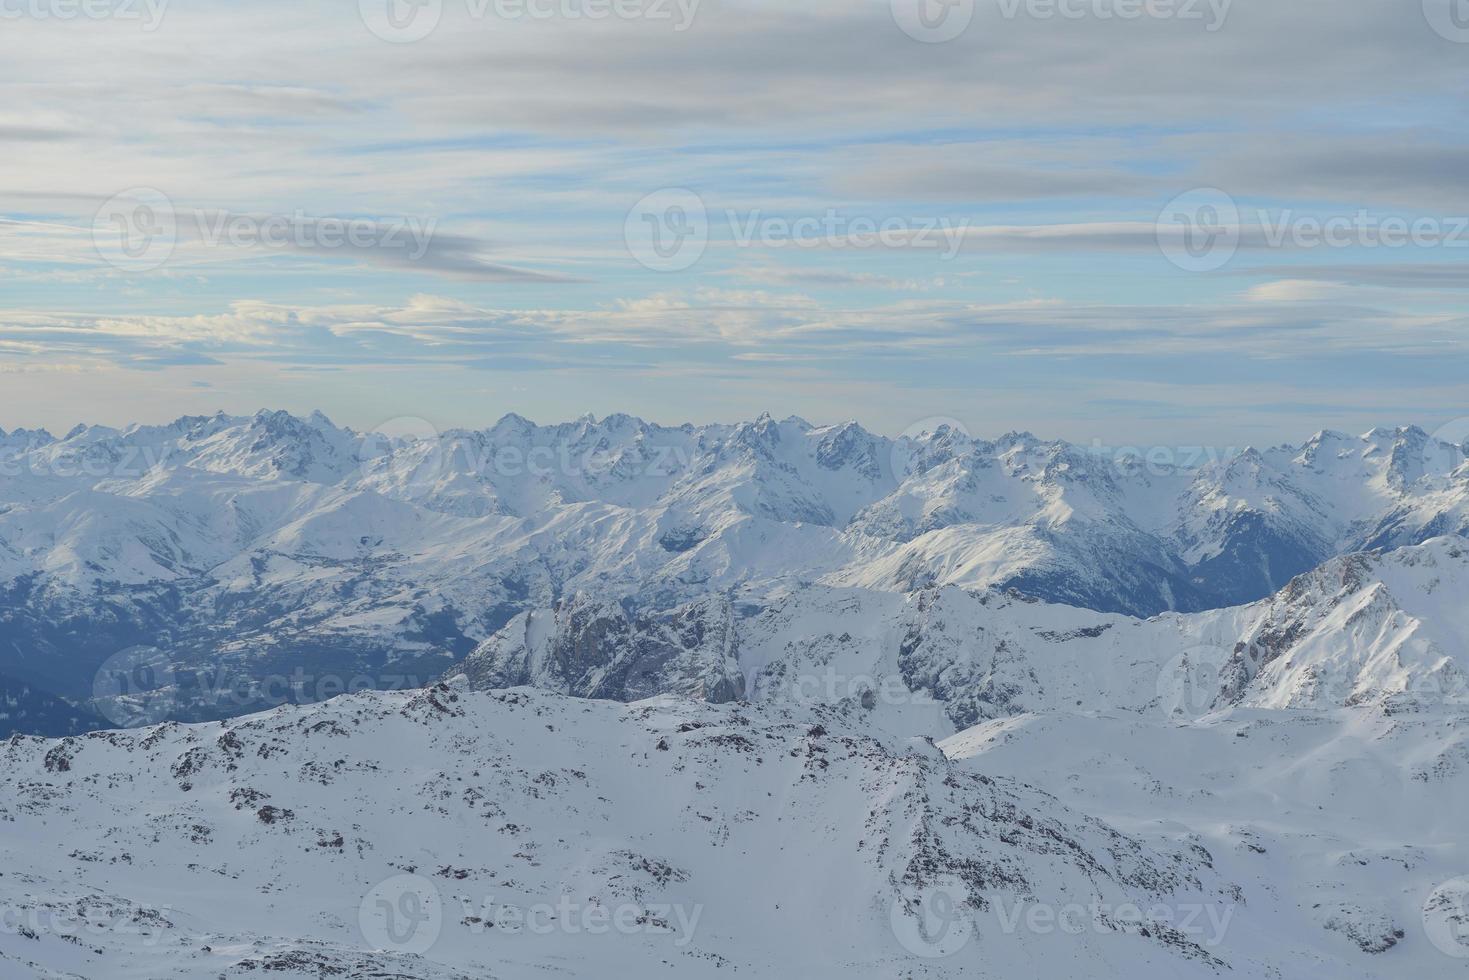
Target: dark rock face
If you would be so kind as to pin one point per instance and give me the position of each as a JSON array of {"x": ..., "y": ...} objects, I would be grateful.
[
  {"x": 1371, "y": 929},
  {"x": 976, "y": 677},
  {"x": 850, "y": 446},
  {"x": 596, "y": 649},
  {"x": 681, "y": 539}
]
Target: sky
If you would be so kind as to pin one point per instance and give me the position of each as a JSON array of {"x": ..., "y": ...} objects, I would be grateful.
[{"x": 1178, "y": 221}]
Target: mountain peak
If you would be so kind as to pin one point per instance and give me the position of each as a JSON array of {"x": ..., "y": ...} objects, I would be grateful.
[
  {"x": 513, "y": 420},
  {"x": 1383, "y": 433}
]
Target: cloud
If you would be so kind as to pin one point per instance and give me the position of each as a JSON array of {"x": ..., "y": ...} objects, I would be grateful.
[
  {"x": 1417, "y": 170},
  {"x": 34, "y": 134},
  {"x": 999, "y": 171},
  {"x": 1294, "y": 291},
  {"x": 826, "y": 278},
  {"x": 1283, "y": 319},
  {"x": 207, "y": 238},
  {"x": 1411, "y": 275},
  {"x": 525, "y": 144}
]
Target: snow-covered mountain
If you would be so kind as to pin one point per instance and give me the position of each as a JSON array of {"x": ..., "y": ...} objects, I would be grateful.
[
  {"x": 764, "y": 699},
  {"x": 253, "y": 548},
  {"x": 388, "y": 835},
  {"x": 1343, "y": 828},
  {"x": 1387, "y": 628},
  {"x": 1377, "y": 627},
  {"x": 445, "y": 834},
  {"x": 596, "y": 650}
]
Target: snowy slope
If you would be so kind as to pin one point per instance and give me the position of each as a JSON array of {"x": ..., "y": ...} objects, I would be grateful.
[
  {"x": 1389, "y": 627},
  {"x": 384, "y": 835},
  {"x": 1265, "y": 779},
  {"x": 1378, "y": 628},
  {"x": 1341, "y": 827}
]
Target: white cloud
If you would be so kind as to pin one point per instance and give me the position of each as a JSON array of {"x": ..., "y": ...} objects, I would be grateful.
[{"x": 1295, "y": 291}]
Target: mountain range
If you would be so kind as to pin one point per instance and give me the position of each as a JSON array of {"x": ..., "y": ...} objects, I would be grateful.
[
  {"x": 765, "y": 699},
  {"x": 249, "y": 550}
]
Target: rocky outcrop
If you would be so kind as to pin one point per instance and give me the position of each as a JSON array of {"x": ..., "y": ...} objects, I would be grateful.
[{"x": 594, "y": 648}]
